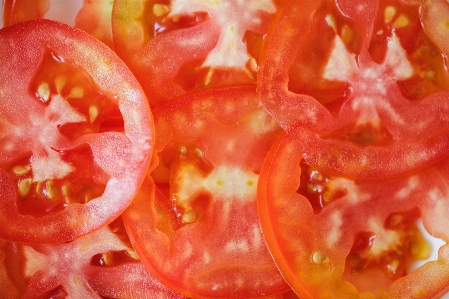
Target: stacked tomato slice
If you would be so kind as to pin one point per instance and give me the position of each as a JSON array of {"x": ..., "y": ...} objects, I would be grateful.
[{"x": 224, "y": 149}]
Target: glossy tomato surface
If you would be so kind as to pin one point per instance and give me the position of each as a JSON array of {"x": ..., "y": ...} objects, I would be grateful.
[
  {"x": 176, "y": 46},
  {"x": 76, "y": 133},
  {"x": 334, "y": 237},
  {"x": 199, "y": 233},
  {"x": 368, "y": 84}
]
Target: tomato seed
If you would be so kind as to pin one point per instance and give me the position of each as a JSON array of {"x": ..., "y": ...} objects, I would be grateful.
[
  {"x": 25, "y": 186},
  {"x": 389, "y": 14},
  {"x": 401, "y": 22},
  {"x": 93, "y": 113},
  {"x": 21, "y": 169},
  {"x": 43, "y": 91},
  {"x": 160, "y": 9},
  {"x": 318, "y": 257},
  {"x": 76, "y": 93}
]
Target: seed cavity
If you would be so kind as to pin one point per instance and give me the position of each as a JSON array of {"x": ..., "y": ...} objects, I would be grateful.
[
  {"x": 25, "y": 186},
  {"x": 160, "y": 9},
  {"x": 43, "y": 92}
]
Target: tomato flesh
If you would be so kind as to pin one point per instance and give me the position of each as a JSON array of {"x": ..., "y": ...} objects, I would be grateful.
[
  {"x": 76, "y": 145},
  {"x": 200, "y": 235}
]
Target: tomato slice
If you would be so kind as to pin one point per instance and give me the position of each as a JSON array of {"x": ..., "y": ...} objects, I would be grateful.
[
  {"x": 334, "y": 237},
  {"x": 92, "y": 16},
  {"x": 174, "y": 46},
  {"x": 94, "y": 266},
  {"x": 77, "y": 144},
  {"x": 368, "y": 86},
  {"x": 201, "y": 236}
]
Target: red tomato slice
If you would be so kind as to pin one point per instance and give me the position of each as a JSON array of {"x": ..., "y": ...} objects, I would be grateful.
[
  {"x": 334, "y": 237},
  {"x": 379, "y": 86},
  {"x": 92, "y": 16},
  {"x": 77, "y": 144},
  {"x": 95, "y": 266},
  {"x": 202, "y": 238},
  {"x": 176, "y": 46}
]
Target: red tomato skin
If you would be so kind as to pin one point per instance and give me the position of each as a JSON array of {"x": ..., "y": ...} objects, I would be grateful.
[{"x": 134, "y": 145}]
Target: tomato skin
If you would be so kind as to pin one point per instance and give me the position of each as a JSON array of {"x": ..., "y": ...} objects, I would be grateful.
[
  {"x": 369, "y": 118},
  {"x": 131, "y": 148},
  {"x": 298, "y": 246},
  {"x": 203, "y": 231}
]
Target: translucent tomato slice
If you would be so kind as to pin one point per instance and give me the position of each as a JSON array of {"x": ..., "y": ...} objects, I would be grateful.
[
  {"x": 93, "y": 16},
  {"x": 200, "y": 236},
  {"x": 334, "y": 237},
  {"x": 76, "y": 133},
  {"x": 174, "y": 46},
  {"x": 364, "y": 80}
]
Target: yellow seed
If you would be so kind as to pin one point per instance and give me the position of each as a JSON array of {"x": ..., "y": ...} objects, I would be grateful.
[
  {"x": 198, "y": 153},
  {"x": 182, "y": 150},
  {"x": 160, "y": 9},
  {"x": 76, "y": 92},
  {"x": 250, "y": 183},
  {"x": 330, "y": 20},
  {"x": 188, "y": 216},
  {"x": 220, "y": 183},
  {"x": 389, "y": 14},
  {"x": 59, "y": 83},
  {"x": 318, "y": 257},
  {"x": 393, "y": 266},
  {"x": 209, "y": 76},
  {"x": 347, "y": 34},
  {"x": 93, "y": 113},
  {"x": 25, "y": 186},
  {"x": 21, "y": 169},
  {"x": 67, "y": 193},
  {"x": 44, "y": 91},
  {"x": 51, "y": 189},
  {"x": 252, "y": 64},
  {"x": 107, "y": 258},
  {"x": 133, "y": 254},
  {"x": 401, "y": 22}
]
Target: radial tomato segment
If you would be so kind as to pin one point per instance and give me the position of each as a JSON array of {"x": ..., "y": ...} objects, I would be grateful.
[{"x": 364, "y": 240}]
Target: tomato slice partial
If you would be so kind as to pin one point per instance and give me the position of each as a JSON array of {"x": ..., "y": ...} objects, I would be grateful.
[
  {"x": 77, "y": 142},
  {"x": 369, "y": 92},
  {"x": 94, "y": 266},
  {"x": 198, "y": 230},
  {"x": 174, "y": 46},
  {"x": 338, "y": 237},
  {"x": 93, "y": 16}
]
